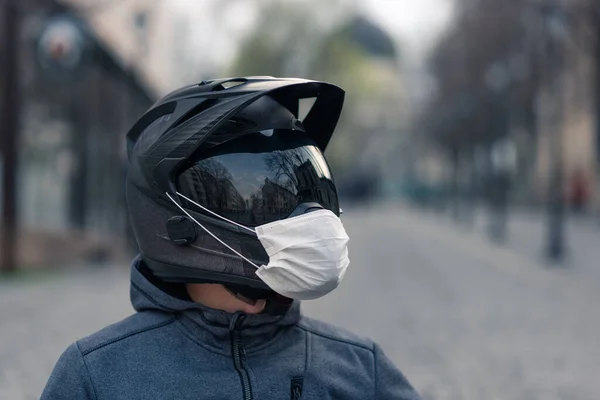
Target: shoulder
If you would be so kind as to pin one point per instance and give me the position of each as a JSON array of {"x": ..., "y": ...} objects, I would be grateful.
[
  {"x": 335, "y": 334},
  {"x": 137, "y": 324}
]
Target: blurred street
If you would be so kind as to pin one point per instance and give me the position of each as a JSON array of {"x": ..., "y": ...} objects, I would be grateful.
[
  {"x": 463, "y": 318},
  {"x": 527, "y": 234}
]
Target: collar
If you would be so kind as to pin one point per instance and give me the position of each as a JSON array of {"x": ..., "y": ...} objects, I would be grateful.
[{"x": 209, "y": 327}]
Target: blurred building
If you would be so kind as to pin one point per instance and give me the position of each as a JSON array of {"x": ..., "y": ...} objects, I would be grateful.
[
  {"x": 78, "y": 101},
  {"x": 276, "y": 199},
  {"x": 311, "y": 185},
  {"x": 153, "y": 37}
]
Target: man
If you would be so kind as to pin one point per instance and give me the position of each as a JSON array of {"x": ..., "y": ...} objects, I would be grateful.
[{"x": 237, "y": 219}]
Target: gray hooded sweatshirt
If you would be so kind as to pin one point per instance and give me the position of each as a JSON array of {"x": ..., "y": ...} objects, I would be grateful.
[{"x": 176, "y": 349}]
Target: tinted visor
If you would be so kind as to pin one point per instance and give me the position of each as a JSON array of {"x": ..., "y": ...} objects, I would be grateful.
[{"x": 259, "y": 179}]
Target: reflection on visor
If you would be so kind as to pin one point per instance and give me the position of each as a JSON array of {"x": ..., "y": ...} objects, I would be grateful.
[{"x": 260, "y": 179}]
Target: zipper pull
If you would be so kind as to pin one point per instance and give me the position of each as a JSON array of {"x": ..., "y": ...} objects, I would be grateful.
[
  {"x": 240, "y": 320},
  {"x": 235, "y": 322},
  {"x": 296, "y": 388}
]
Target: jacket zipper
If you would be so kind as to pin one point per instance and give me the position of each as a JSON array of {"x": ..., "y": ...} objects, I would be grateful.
[{"x": 239, "y": 356}]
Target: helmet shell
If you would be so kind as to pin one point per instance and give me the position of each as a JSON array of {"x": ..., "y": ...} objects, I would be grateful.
[{"x": 196, "y": 118}]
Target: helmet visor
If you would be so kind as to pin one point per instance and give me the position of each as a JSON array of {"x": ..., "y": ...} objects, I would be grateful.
[{"x": 259, "y": 179}]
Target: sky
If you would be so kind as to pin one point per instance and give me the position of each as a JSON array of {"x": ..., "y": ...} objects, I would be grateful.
[
  {"x": 416, "y": 24},
  {"x": 413, "y": 23}
]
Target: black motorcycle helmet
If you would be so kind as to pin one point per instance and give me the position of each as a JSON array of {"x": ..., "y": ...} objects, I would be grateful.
[{"x": 237, "y": 148}]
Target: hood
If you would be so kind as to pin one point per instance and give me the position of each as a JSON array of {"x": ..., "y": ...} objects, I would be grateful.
[{"x": 208, "y": 325}]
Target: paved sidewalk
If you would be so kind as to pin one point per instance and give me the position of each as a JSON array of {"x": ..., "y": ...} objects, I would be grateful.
[
  {"x": 527, "y": 232},
  {"x": 40, "y": 319}
]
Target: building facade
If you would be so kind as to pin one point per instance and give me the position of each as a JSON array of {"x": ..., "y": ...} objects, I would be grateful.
[{"x": 77, "y": 103}]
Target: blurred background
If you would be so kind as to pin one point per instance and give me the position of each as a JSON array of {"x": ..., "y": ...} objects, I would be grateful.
[{"x": 467, "y": 160}]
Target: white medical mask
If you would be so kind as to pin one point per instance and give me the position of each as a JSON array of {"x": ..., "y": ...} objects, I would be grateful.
[{"x": 308, "y": 254}]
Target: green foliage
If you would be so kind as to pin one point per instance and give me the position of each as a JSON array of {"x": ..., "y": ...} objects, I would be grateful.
[
  {"x": 277, "y": 35},
  {"x": 288, "y": 40}
]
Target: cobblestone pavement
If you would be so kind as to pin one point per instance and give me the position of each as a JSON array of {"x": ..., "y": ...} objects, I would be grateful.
[
  {"x": 462, "y": 318},
  {"x": 528, "y": 235},
  {"x": 40, "y": 319}
]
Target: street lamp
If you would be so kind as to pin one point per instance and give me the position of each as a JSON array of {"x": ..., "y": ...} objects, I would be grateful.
[
  {"x": 555, "y": 33},
  {"x": 9, "y": 129},
  {"x": 498, "y": 79}
]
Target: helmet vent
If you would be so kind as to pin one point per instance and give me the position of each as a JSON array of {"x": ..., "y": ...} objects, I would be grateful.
[
  {"x": 205, "y": 105},
  {"x": 229, "y": 84}
]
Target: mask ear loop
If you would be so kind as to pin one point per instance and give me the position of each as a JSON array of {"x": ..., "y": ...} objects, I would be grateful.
[
  {"x": 209, "y": 232},
  {"x": 213, "y": 213}
]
